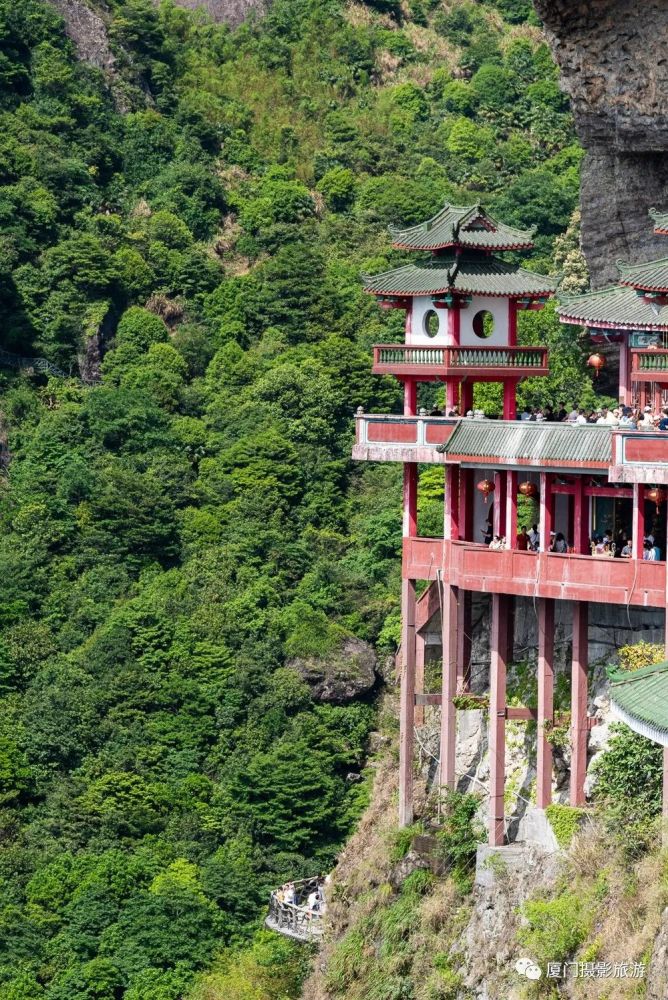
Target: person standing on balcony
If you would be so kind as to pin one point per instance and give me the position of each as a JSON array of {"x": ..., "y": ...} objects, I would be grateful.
[
  {"x": 523, "y": 540},
  {"x": 534, "y": 538}
]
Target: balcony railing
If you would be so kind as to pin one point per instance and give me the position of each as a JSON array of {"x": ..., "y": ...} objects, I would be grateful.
[
  {"x": 529, "y": 574},
  {"x": 650, "y": 364},
  {"x": 400, "y": 359}
]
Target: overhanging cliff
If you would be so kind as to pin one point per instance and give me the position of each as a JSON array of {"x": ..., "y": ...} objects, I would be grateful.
[{"x": 614, "y": 66}]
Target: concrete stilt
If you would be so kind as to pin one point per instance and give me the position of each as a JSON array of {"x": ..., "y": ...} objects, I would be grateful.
[
  {"x": 545, "y": 700},
  {"x": 464, "y": 605},
  {"x": 497, "y": 717},
  {"x": 407, "y": 703},
  {"x": 419, "y": 676},
  {"x": 579, "y": 699},
  {"x": 448, "y": 685}
]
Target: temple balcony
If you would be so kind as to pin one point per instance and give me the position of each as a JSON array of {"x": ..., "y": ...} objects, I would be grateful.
[
  {"x": 639, "y": 457},
  {"x": 649, "y": 364},
  {"x": 482, "y": 363},
  {"x": 381, "y": 437},
  {"x": 568, "y": 577}
]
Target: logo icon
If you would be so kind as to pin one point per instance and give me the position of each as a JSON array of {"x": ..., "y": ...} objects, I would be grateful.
[{"x": 528, "y": 968}]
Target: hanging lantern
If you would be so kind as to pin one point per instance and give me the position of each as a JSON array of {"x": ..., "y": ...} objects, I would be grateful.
[
  {"x": 528, "y": 489},
  {"x": 485, "y": 486},
  {"x": 657, "y": 495},
  {"x": 596, "y": 361}
]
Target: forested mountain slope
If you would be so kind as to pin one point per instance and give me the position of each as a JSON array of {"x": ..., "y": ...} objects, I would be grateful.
[{"x": 176, "y": 533}]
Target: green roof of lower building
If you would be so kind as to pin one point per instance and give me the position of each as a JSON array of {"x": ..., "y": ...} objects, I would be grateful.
[
  {"x": 660, "y": 220},
  {"x": 522, "y": 442},
  {"x": 640, "y": 698},
  {"x": 615, "y": 308},
  {"x": 649, "y": 277},
  {"x": 467, "y": 276},
  {"x": 465, "y": 226}
]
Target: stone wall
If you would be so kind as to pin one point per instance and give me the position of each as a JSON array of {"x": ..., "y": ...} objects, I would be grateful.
[{"x": 611, "y": 54}]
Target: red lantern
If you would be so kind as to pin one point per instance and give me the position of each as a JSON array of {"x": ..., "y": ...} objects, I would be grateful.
[
  {"x": 657, "y": 495},
  {"x": 596, "y": 361},
  {"x": 528, "y": 489},
  {"x": 486, "y": 487}
]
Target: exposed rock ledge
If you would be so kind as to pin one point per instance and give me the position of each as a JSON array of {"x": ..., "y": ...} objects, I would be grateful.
[
  {"x": 88, "y": 32},
  {"x": 343, "y": 675}
]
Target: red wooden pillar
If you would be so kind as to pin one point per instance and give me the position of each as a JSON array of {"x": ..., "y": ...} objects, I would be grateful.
[
  {"x": 511, "y": 509},
  {"x": 452, "y": 388},
  {"x": 579, "y": 699},
  {"x": 625, "y": 394},
  {"x": 545, "y": 700},
  {"x": 410, "y": 499},
  {"x": 419, "y": 676},
  {"x": 407, "y": 703},
  {"x": 658, "y": 397},
  {"x": 451, "y": 505},
  {"x": 466, "y": 397},
  {"x": 466, "y": 505},
  {"x": 464, "y": 605},
  {"x": 509, "y": 400},
  {"x": 497, "y": 717},
  {"x": 638, "y": 521},
  {"x": 545, "y": 523},
  {"x": 499, "y": 526},
  {"x": 448, "y": 684},
  {"x": 410, "y": 397},
  {"x": 581, "y": 518}
]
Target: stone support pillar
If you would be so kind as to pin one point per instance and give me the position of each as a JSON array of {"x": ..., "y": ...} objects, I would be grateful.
[
  {"x": 499, "y": 649},
  {"x": 545, "y": 700},
  {"x": 579, "y": 701},
  {"x": 407, "y": 703},
  {"x": 448, "y": 684}
]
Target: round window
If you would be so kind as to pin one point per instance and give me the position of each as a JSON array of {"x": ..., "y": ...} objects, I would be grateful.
[
  {"x": 431, "y": 323},
  {"x": 483, "y": 324}
]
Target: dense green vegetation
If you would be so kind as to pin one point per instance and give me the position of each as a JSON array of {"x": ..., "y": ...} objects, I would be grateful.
[{"x": 173, "y": 535}]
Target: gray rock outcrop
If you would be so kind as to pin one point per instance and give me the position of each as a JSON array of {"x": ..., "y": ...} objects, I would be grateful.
[
  {"x": 657, "y": 976},
  {"x": 346, "y": 673},
  {"x": 231, "y": 12},
  {"x": 88, "y": 31},
  {"x": 611, "y": 54}
]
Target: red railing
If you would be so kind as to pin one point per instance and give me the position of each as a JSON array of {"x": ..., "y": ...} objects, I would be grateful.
[
  {"x": 530, "y": 574},
  {"x": 403, "y": 359}
]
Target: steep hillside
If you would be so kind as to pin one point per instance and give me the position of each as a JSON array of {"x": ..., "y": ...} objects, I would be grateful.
[{"x": 182, "y": 525}]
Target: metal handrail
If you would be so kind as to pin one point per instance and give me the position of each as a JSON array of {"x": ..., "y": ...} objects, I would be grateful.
[
  {"x": 41, "y": 365},
  {"x": 296, "y": 919}
]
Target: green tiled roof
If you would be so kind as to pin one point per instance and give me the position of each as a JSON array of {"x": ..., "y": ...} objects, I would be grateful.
[
  {"x": 650, "y": 277},
  {"x": 660, "y": 220},
  {"x": 511, "y": 442},
  {"x": 465, "y": 226},
  {"x": 640, "y": 698},
  {"x": 616, "y": 307},
  {"x": 470, "y": 276}
]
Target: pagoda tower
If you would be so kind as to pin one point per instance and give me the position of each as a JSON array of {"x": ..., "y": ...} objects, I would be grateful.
[
  {"x": 461, "y": 303},
  {"x": 631, "y": 314}
]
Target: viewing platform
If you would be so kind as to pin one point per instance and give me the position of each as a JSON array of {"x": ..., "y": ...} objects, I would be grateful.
[
  {"x": 297, "y": 909},
  {"x": 568, "y": 577},
  {"x": 482, "y": 363},
  {"x": 625, "y": 456}
]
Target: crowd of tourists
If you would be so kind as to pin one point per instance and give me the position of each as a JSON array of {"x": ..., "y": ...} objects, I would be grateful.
[
  {"x": 632, "y": 418},
  {"x": 314, "y": 902},
  {"x": 619, "y": 546}
]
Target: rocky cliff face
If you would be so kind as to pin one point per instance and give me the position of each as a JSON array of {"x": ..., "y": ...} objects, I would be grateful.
[
  {"x": 613, "y": 64},
  {"x": 232, "y": 12}
]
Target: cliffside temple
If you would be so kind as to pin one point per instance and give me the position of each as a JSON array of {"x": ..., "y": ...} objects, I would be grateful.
[{"x": 461, "y": 305}]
